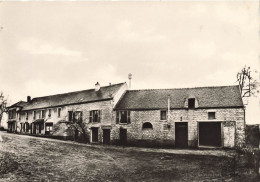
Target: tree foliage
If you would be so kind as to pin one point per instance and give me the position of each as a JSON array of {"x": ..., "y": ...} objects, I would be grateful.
[
  {"x": 248, "y": 85},
  {"x": 3, "y": 107}
]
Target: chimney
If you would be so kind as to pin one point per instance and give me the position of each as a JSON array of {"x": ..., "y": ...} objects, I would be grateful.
[
  {"x": 28, "y": 98},
  {"x": 97, "y": 87},
  {"x": 129, "y": 77}
]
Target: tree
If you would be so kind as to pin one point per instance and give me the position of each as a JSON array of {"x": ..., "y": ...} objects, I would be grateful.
[
  {"x": 248, "y": 85},
  {"x": 3, "y": 108},
  {"x": 75, "y": 124}
]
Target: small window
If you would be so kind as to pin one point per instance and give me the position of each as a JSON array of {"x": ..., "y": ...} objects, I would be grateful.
[
  {"x": 191, "y": 103},
  {"x": 163, "y": 115},
  {"x": 26, "y": 115},
  {"x": 59, "y": 112},
  {"x": 123, "y": 117},
  {"x": 147, "y": 125},
  {"x": 70, "y": 115},
  {"x": 211, "y": 115},
  {"x": 34, "y": 114},
  {"x": 49, "y": 126},
  {"x": 49, "y": 112},
  {"x": 42, "y": 113}
]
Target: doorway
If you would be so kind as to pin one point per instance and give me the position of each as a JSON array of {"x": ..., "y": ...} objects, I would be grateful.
[
  {"x": 106, "y": 136},
  {"x": 210, "y": 134},
  {"x": 123, "y": 136},
  {"x": 94, "y": 134},
  {"x": 181, "y": 135}
]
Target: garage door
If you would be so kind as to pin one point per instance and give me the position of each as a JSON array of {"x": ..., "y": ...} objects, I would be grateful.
[{"x": 210, "y": 134}]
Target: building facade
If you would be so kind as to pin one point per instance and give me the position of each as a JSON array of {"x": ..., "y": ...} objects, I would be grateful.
[
  {"x": 192, "y": 117},
  {"x": 188, "y": 117},
  {"x": 51, "y": 115}
]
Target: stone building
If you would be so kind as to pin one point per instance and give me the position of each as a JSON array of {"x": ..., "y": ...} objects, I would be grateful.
[
  {"x": 187, "y": 117},
  {"x": 40, "y": 115}
]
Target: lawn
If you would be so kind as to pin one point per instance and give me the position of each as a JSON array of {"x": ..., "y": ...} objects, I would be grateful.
[{"x": 35, "y": 159}]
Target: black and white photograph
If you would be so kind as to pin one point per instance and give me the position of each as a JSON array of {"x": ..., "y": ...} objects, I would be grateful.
[{"x": 122, "y": 91}]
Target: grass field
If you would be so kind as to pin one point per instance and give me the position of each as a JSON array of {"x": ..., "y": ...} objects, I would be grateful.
[{"x": 35, "y": 159}]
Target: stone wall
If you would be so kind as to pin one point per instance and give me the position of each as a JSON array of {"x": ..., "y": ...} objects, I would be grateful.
[{"x": 163, "y": 132}]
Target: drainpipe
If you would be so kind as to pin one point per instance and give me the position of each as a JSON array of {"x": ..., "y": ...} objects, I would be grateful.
[{"x": 169, "y": 106}]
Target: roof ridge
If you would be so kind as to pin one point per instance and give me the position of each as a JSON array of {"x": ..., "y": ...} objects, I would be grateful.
[
  {"x": 182, "y": 88},
  {"x": 77, "y": 91}
]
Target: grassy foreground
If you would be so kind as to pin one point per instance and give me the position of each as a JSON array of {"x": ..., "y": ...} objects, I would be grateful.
[{"x": 34, "y": 159}]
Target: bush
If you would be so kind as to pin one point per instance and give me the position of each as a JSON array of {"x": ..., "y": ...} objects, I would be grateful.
[
  {"x": 7, "y": 163},
  {"x": 2, "y": 128}
]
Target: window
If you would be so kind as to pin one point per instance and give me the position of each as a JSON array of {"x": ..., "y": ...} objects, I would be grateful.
[
  {"x": 49, "y": 113},
  {"x": 78, "y": 115},
  {"x": 191, "y": 103},
  {"x": 95, "y": 116},
  {"x": 59, "y": 111},
  {"x": 26, "y": 115},
  {"x": 70, "y": 115},
  {"x": 12, "y": 114},
  {"x": 147, "y": 125},
  {"x": 34, "y": 114},
  {"x": 163, "y": 115},
  {"x": 48, "y": 128},
  {"x": 123, "y": 117},
  {"x": 75, "y": 116},
  {"x": 42, "y": 113},
  {"x": 211, "y": 115}
]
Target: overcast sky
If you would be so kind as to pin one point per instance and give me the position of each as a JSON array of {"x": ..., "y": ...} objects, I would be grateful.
[{"x": 56, "y": 47}]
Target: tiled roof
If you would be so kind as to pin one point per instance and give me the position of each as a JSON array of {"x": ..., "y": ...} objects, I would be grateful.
[
  {"x": 18, "y": 104},
  {"x": 207, "y": 97},
  {"x": 84, "y": 96}
]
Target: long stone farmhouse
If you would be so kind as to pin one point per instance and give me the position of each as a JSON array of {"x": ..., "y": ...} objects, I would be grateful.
[{"x": 186, "y": 117}]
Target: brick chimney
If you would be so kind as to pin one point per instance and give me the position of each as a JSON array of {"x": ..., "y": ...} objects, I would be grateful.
[
  {"x": 97, "y": 87},
  {"x": 28, "y": 98}
]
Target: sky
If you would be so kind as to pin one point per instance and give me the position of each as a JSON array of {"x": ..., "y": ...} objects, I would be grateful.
[{"x": 56, "y": 47}]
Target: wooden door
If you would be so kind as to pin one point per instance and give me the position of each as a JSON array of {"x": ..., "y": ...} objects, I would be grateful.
[
  {"x": 94, "y": 134},
  {"x": 181, "y": 135},
  {"x": 106, "y": 136}
]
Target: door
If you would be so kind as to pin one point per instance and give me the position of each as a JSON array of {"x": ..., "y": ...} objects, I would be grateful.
[
  {"x": 181, "y": 135},
  {"x": 210, "y": 134},
  {"x": 229, "y": 134},
  {"x": 94, "y": 134},
  {"x": 123, "y": 136},
  {"x": 34, "y": 128},
  {"x": 106, "y": 136}
]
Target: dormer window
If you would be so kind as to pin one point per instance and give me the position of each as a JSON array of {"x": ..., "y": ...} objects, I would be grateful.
[{"x": 191, "y": 103}]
